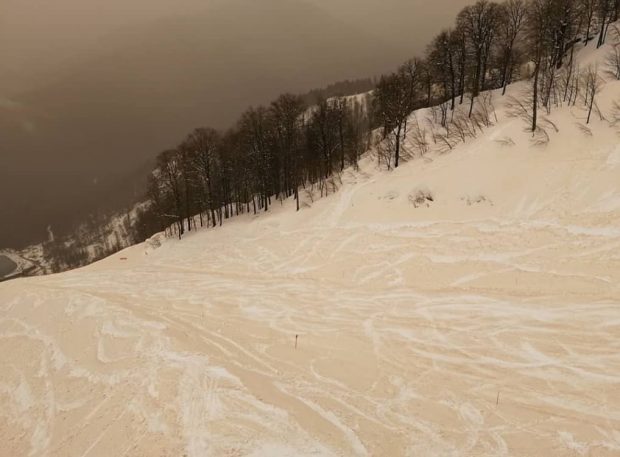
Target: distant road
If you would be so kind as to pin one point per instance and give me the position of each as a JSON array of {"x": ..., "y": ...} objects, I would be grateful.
[{"x": 7, "y": 266}]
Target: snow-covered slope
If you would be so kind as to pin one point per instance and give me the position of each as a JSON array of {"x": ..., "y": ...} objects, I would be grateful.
[{"x": 483, "y": 321}]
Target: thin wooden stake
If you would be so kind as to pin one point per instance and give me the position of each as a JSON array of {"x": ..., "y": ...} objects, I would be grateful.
[{"x": 296, "y": 336}]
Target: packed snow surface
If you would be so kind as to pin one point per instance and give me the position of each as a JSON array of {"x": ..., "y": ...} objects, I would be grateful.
[{"x": 483, "y": 322}]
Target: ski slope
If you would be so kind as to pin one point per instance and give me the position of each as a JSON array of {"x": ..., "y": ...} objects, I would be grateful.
[{"x": 485, "y": 322}]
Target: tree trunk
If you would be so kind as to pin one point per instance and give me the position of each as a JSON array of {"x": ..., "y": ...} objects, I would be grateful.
[
  {"x": 341, "y": 133},
  {"x": 601, "y": 36},
  {"x": 535, "y": 97},
  {"x": 592, "y": 95},
  {"x": 507, "y": 68},
  {"x": 397, "y": 157}
]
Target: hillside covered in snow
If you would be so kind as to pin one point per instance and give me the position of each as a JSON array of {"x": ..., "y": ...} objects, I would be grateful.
[
  {"x": 482, "y": 320},
  {"x": 465, "y": 303}
]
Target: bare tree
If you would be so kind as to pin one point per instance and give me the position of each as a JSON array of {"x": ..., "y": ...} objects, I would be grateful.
[
  {"x": 540, "y": 44},
  {"x": 587, "y": 10},
  {"x": 592, "y": 83},
  {"x": 512, "y": 19},
  {"x": 479, "y": 22},
  {"x": 204, "y": 142},
  {"x": 395, "y": 100},
  {"x": 605, "y": 12},
  {"x": 443, "y": 57}
]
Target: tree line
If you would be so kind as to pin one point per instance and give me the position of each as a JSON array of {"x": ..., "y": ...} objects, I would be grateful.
[
  {"x": 268, "y": 156},
  {"x": 275, "y": 152},
  {"x": 489, "y": 46}
]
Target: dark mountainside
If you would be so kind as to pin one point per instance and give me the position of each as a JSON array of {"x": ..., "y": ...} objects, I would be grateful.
[{"x": 82, "y": 143}]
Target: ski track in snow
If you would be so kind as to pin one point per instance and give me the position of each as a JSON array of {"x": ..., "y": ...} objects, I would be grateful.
[
  {"x": 450, "y": 330},
  {"x": 187, "y": 354}
]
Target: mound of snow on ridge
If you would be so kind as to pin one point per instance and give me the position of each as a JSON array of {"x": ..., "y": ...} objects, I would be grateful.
[{"x": 483, "y": 323}]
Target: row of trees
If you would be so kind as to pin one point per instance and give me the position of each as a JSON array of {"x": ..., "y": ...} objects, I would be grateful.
[
  {"x": 269, "y": 155},
  {"x": 275, "y": 151},
  {"x": 490, "y": 45}
]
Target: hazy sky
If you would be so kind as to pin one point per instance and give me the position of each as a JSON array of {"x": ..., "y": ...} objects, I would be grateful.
[{"x": 37, "y": 37}]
